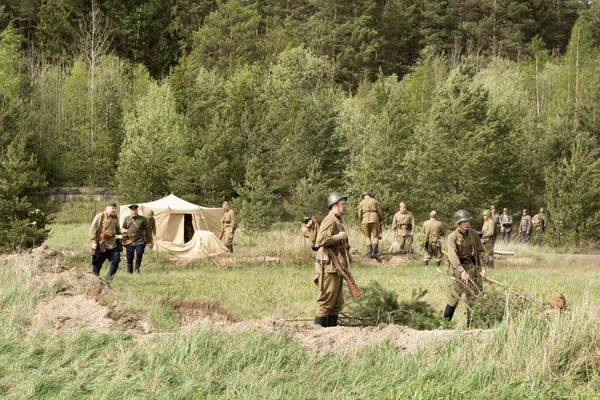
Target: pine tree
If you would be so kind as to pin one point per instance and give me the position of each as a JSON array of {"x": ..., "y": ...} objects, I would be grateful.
[{"x": 255, "y": 201}]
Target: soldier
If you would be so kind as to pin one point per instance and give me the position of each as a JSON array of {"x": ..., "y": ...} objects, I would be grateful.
[
  {"x": 371, "y": 217},
  {"x": 539, "y": 222},
  {"x": 404, "y": 225},
  {"x": 525, "y": 226},
  {"x": 432, "y": 242},
  {"x": 488, "y": 238},
  {"x": 229, "y": 225},
  {"x": 309, "y": 231},
  {"x": 496, "y": 218},
  {"x": 332, "y": 237},
  {"x": 103, "y": 231},
  {"x": 506, "y": 221},
  {"x": 136, "y": 228},
  {"x": 152, "y": 224},
  {"x": 465, "y": 264}
]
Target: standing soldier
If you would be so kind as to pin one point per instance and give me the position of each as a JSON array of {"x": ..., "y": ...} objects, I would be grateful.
[
  {"x": 152, "y": 224},
  {"x": 331, "y": 238},
  {"x": 506, "y": 220},
  {"x": 371, "y": 216},
  {"x": 465, "y": 264},
  {"x": 404, "y": 225},
  {"x": 229, "y": 225},
  {"x": 103, "y": 231},
  {"x": 488, "y": 238},
  {"x": 539, "y": 222},
  {"x": 525, "y": 226},
  {"x": 137, "y": 229},
  {"x": 432, "y": 242},
  {"x": 496, "y": 218}
]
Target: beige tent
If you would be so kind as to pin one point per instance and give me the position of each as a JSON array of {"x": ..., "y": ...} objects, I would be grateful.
[{"x": 177, "y": 222}]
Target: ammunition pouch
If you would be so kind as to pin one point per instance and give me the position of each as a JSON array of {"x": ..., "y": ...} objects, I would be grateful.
[{"x": 106, "y": 235}]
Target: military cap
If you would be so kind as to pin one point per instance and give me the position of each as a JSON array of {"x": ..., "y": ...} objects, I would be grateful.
[
  {"x": 150, "y": 212},
  {"x": 433, "y": 214},
  {"x": 487, "y": 213},
  {"x": 367, "y": 193},
  {"x": 133, "y": 206},
  {"x": 111, "y": 204},
  {"x": 334, "y": 198},
  {"x": 461, "y": 216}
]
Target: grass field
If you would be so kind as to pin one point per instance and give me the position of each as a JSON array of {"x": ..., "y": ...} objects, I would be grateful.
[{"x": 528, "y": 356}]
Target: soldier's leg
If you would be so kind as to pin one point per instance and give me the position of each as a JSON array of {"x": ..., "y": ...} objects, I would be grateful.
[
  {"x": 426, "y": 256},
  {"x": 139, "y": 254},
  {"x": 437, "y": 251},
  {"x": 97, "y": 261},
  {"x": 489, "y": 254},
  {"x": 409, "y": 242},
  {"x": 367, "y": 234},
  {"x": 476, "y": 290},
  {"x": 327, "y": 295},
  {"x": 454, "y": 291},
  {"x": 339, "y": 301},
  {"x": 129, "y": 255},
  {"x": 402, "y": 244},
  {"x": 115, "y": 258}
]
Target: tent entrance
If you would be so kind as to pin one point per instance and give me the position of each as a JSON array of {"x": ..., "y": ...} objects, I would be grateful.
[{"x": 188, "y": 228}]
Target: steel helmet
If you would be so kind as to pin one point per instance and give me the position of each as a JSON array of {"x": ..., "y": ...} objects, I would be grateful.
[
  {"x": 433, "y": 214},
  {"x": 367, "y": 193},
  {"x": 461, "y": 216},
  {"x": 487, "y": 213},
  {"x": 334, "y": 198}
]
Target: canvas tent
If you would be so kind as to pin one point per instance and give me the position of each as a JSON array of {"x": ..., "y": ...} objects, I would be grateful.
[{"x": 177, "y": 223}]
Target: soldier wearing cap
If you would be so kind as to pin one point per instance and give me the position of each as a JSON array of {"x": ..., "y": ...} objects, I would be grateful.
[
  {"x": 371, "y": 217},
  {"x": 465, "y": 264},
  {"x": 103, "y": 231},
  {"x": 488, "y": 237},
  {"x": 404, "y": 225},
  {"x": 525, "y": 226},
  {"x": 228, "y": 226},
  {"x": 432, "y": 242},
  {"x": 331, "y": 237},
  {"x": 136, "y": 228},
  {"x": 152, "y": 224},
  {"x": 506, "y": 221},
  {"x": 539, "y": 222}
]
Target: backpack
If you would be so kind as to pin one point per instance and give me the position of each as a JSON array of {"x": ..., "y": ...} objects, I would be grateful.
[{"x": 536, "y": 221}]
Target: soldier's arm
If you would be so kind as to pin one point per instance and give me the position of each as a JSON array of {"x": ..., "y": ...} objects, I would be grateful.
[
  {"x": 360, "y": 212},
  {"x": 233, "y": 221},
  {"x": 380, "y": 212},
  {"x": 452, "y": 256},
  {"x": 95, "y": 227},
  {"x": 394, "y": 222},
  {"x": 325, "y": 237},
  {"x": 412, "y": 223}
]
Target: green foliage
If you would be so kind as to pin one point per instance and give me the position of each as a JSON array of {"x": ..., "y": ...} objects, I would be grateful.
[
  {"x": 22, "y": 186},
  {"x": 308, "y": 196},
  {"x": 255, "y": 202}
]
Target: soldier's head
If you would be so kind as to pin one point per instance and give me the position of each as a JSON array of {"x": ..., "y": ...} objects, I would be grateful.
[
  {"x": 493, "y": 208},
  {"x": 111, "y": 208},
  {"x": 505, "y": 211},
  {"x": 133, "y": 210},
  {"x": 151, "y": 213},
  {"x": 433, "y": 214},
  {"x": 337, "y": 203},
  {"x": 367, "y": 193},
  {"x": 307, "y": 221},
  {"x": 226, "y": 206},
  {"x": 402, "y": 207},
  {"x": 524, "y": 211},
  {"x": 486, "y": 214},
  {"x": 462, "y": 219},
  {"x": 542, "y": 210}
]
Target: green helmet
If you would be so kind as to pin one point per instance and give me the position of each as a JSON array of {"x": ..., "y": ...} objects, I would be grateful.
[
  {"x": 334, "y": 198},
  {"x": 487, "y": 213},
  {"x": 461, "y": 216},
  {"x": 367, "y": 193}
]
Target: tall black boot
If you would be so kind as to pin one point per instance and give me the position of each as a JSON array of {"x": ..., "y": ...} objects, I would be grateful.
[
  {"x": 138, "y": 264},
  {"x": 332, "y": 320},
  {"x": 111, "y": 273},
  {"x": 375, "y": 249},
  {"x": 130, "y": 268},
  {"x": 449, "y": 312},
  {"x": 321, "y": 321},
  {"x": 425, "y": 263},
  {"x": 369, "y": 251}
]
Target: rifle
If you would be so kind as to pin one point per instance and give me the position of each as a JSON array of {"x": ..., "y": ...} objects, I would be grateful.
[{"x": 344, "y": 273}]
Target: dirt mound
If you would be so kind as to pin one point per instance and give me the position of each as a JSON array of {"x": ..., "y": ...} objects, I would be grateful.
[
  {"x": 194, "y": 312},
  {"x": 351, "y": 339}
]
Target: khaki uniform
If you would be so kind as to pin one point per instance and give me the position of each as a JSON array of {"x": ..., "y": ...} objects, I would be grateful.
[
  {"x": 330, "y": 294},
  {"x": 152, "y": 225},
  {"x": 540, "y": 228},
  {"x": 432, "y": 242},
  {"x": 496, "y": 219},
  {"x": 506, "y": 221},
  {"x": 229, "y": 225},
  {"x": 465, "y": 253},
  {"x": 488, "y": 238},
  {"x": 371, "y": 217},
  {"x": 525, "y": 228},
  {"x": 104, "y": 229},
  {"x": 403, "y": 224}
]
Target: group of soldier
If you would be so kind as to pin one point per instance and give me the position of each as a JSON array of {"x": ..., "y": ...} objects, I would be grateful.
[
  {"x": 468, "y": 251},
  {"x": 109, "y": 239}
]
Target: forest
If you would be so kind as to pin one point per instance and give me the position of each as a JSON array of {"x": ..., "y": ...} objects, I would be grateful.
[{"x": 445, "y": 105}]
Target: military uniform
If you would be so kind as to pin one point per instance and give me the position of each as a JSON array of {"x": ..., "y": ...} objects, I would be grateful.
[
  {"x": 371, "y": 217},
  {"x": 506, "y": 221},
  {"x": 525, "y": 228},
  {"x": 229, "y": 225},
  {"x": 488, "y": 239},
  {"x": 404, "y": 223},
  {"x": 496, "y": 219},
  {"x": 330, "y": 295},
  {"x": 152, "y": 223},
  {"x": 432, "y": 242},
  {"x": 539, "y": 226},
  {"x": 103, "y": 232},
  {"x": 465, "y": 253},
  {"x": 138, "y": 229}
]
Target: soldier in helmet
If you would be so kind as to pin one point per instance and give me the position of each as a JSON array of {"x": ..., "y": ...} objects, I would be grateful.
[
  {"x": 228, "y": 226},
  {"x": 152, "y": 223},
  {"x": 488, "y": 237},
  {"x": 506, "y": 221},
  {"x": 539, "y": 222},
  {"x": 525, "y": 226},
  {"x": 432, "y": 242},
  {"x": 496, "y": 218},
  {"x": 331, "y": 236},
  {"x": 465, "y": 264},
  {"x": 404, "y": 225},
  {"x": 371, "y": 217}
]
